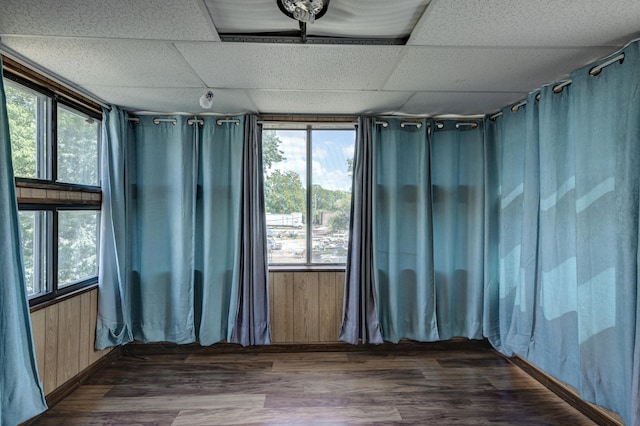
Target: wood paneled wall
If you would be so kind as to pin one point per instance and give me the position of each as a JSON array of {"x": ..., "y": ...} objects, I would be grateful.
[
  {"x": 306, "y": 307},
  {"x": 64, "y": 337}
]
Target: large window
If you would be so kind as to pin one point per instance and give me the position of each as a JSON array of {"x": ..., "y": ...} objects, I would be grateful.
[
  {"x": 307, "y": 194},
  {"x": 55, "y": 150}
]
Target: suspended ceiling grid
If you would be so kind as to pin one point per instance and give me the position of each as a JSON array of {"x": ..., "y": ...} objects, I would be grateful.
[{"x": 460, "y": 56}]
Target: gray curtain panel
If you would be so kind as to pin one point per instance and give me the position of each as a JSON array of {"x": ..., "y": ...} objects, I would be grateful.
[
  {"x": 252, "y": 320},
  {"x": 360, "y": 316}
]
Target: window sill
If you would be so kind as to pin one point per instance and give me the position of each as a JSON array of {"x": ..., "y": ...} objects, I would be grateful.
[
  {"x": 307, "y": 268},
  {"x": 63, "y": 297}
]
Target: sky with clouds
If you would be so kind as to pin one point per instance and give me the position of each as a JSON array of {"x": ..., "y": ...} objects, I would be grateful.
[{"x": 330, "y": 151}]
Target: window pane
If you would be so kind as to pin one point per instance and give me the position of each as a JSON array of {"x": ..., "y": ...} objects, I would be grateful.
[
  {"x": 77, "y": 148},
  {"x": 77, "y": 245},
  {"x": 332, "y": 154},
  {"x": 33, "y": 232},
  {"x": 285, "y": 162},
  {"x": 27, "y": 129}
]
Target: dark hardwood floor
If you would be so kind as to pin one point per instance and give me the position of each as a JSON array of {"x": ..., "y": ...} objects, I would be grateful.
[{"x": 415, "y": 386}]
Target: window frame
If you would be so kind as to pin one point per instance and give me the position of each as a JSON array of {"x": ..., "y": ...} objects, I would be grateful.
[
  {"x": 309, "y": 128},
  {"x": 49, "y": 195}
]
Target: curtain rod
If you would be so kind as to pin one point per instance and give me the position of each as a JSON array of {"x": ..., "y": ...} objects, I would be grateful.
[
  {"x": 173, "y": 121},
  {"x": 559, "y": 87},
  {"x": 168, "y": 120},
  {"x": 466, "y": 124},
  {"x": 136, "y": 120},
  {"x": 306, "y": 123},
  {"x": 221, "y": 121},
  {"x": 598, "y": 68},
  {"x": 438, "y": 124}
]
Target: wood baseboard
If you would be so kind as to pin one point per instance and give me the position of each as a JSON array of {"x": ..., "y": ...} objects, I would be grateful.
[
  {"x": 143, "y": 349},
  {"x": 598, "y": 414}
]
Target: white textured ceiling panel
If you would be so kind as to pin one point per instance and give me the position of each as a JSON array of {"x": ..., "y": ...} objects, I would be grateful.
[
  {"x": 344, "y": 18},
  {"x": 124, "y": 63},
  {"x": 528, "y": 23},
  {"x": 170, "y": 100},
  {"x": 487, "y": 69},
  {"x": 440, "y": 103},
  {"x": 327, "y": 102},
  {"x": 291, "y": 67},
  {"x": 157, "y": 19}
]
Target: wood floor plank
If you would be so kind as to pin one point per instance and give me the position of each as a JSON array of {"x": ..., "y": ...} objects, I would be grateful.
[
  {"x": 268, "y": 357},
  {"x": 394, "y": 399},
  {"x": 475, "y": 362},
  {"x": 299, "y": 416},
  {"x": 366, "y": 365},
  {"x": 250, "y": 384},
  {"x": 155, "y": 403},
  {"x": 145, "y": 418},
  {"x": 458, "y": 387}
]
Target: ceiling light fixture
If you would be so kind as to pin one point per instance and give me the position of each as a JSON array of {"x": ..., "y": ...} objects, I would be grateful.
[
  {"x": 306, "y": 11},
  {"x": 303, "y": 11}
]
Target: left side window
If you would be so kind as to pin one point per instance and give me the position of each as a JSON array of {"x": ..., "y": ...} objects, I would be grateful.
[{"x": 55, "y": 146}]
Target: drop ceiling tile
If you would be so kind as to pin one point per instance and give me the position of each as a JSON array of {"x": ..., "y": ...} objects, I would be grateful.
[
  {"x": 327, "y": 102},
  {"x": 157, "y": 19},
  {"x": 291, "y": 67},
  {"x": 459, "y": 103},
  {"x": 528, "y": 23},
  {"x": 125, "y": 63},
  {"x": 170, "y": 100},
  {"x": 487, "y": 69}
]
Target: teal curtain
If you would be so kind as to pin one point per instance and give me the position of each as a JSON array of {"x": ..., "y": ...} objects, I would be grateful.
[
  {"x": 218, "y": 220},
  {"x": 173, "y": 228},
  {"x": 162, "y": 284},
  {"x": 402, "y": 232},
  {"x": 457, "y": 182},
  {"x": 604, "y": 118},
  {"x": 428, "y": 230},
  {"x": 562, "y": 284},
  {"x": 512, "y": 230},
  {"x": 21, "y": 395},
  {"x": 114, "y": 321}
]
